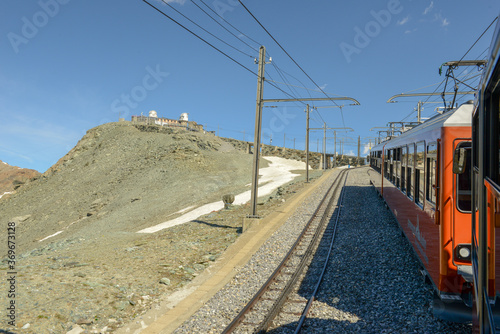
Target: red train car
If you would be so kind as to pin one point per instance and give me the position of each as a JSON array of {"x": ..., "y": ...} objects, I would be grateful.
[
  {"x": 432, "y": 204},
  {"x": 486, "y": 194}
]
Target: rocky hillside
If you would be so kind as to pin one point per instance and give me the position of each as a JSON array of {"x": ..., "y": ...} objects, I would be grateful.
[
  {"x": 12, "y": 177},
  {"x": 121, "y": 178},
  {"x": 80, "y": 262}
]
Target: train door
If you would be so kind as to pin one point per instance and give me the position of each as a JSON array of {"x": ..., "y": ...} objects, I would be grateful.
[
  {"x": 431, "y": 185},
  {"x": 462, "y": 194},
  {"x": 420, "y": 173}
]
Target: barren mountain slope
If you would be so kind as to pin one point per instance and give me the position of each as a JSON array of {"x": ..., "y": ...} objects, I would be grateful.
[
  {"x": 122, "y": 178},
  {"x": 11, "y": 177},
  {"x": 79, "y": 260}
]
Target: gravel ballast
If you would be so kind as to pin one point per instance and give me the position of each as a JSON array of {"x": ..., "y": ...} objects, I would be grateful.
[
  {"x": 215, "y": 315},
  {"x": 373, "y": 283}
]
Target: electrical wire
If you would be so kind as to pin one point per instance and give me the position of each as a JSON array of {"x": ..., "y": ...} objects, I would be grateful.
[
  {"x": 305, "y": 88},
  {"x": 477, "y": 40},
  {"x": 292, "y": 89},
  {"x": 230, "y": 23},
  {"x": 214, "y": 47},
  {"x": 289, "y": 56},
  {"x": 204, "y": 11},
  {"x": 460, "y": 75},
  {"x": 205, "y": 30}
]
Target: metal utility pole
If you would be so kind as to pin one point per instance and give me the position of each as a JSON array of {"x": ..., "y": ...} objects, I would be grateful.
[
  {"x": 324, "y": 145},
  {"x": 419, "y": 111},
  {"x": 258, "y": 125},
  {"x": 307, "y": 144},
  {"x": 359, "y": 147},
  {"x": 294, "y": 143},
  {"x": 324, "y": 128},
  {"x": 334, "y": 148},
  {"x": 284, "y": 140}
]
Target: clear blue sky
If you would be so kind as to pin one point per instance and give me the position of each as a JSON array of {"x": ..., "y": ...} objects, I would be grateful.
[{"x": 70, "y": 65}]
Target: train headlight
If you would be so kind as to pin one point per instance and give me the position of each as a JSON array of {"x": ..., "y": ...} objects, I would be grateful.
[{"x": 463, "y": 252}]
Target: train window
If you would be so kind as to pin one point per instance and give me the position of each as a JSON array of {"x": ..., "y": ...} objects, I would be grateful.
[
  {"x": 379, "y": 161},
  {"x": 397, "y": 167},
  {"x": 409, "y": 171},
  {"x": 464, "y": 184},
  {"x": 430, "y": 189},
  {"x": 404, "y": 162},
  {"x": 419, "y": 173},
  {"x": 385, "y": 163},
  {"x": 391, "y": 167}
]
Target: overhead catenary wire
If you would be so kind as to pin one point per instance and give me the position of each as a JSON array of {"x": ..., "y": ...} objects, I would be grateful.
[
  {"x": 292, "y": 90},
  {"x": 197, "y": 36},
  {"x": 278, "y": 70},
  {"x": 205, "y": 30},
  {"x": 477, "y": 40},
  {"x": 460, "y": 74},
  {"x": 208, "y": 43},
  {"x": 289, "y": 56},
  {"x": 222, "y": 18},
  {"x": 301, "y": 87},
  {"x": 287, "y": 82},
  {"x": 476, "y": 75},
  {"x": 220, "y": 24}
]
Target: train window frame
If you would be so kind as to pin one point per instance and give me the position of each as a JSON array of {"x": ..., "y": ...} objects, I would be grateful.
[
  {"x": 404, "y": 162},
  {"x": 460, "y": 177},
  {"x": 385, "y": 163},
  {"x": 391, "y": 165},
  {"x": 431, "y": 175},
  {"x": 419, "y": 178},
  {"x": 397, "y": 167},
  {"x": 410, "y": 172}
]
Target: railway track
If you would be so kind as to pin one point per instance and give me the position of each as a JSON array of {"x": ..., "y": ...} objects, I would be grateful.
[{"x": 273, "y": 297}]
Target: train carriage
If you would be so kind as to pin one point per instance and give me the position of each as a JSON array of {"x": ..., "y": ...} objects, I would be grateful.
[
  {"x": 486, "y": 193},
  {"x": 414, "y": 174}
]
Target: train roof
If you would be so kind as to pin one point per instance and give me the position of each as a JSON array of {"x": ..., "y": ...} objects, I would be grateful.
[{"x": 458, "y": 117}]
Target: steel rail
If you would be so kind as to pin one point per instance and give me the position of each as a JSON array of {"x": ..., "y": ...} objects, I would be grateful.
[
  {"x": 304, "y": 261},
  {"x": 275, "y": 309},
  {"x": 303, "y": 317}
]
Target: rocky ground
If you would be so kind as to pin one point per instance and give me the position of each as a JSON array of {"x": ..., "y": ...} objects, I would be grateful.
[
  {"x": 12, "y": 177},
  {"x": 80, "y": 262}
]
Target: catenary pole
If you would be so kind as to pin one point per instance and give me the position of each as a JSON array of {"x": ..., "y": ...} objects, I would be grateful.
[
  {"x": 307, "y": 143},
  {"x": 258, "y": 125}
]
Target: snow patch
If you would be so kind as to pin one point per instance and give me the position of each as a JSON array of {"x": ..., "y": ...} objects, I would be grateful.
[
  {"x": 277, "y": 174},
  {"x": 50, "y": 236},
  {"x": 6, "y": 193}
]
